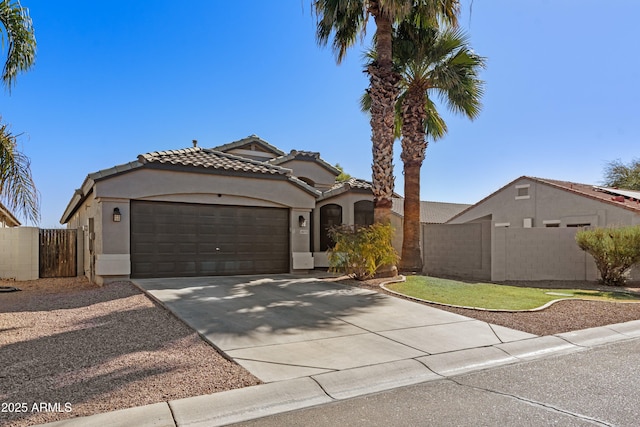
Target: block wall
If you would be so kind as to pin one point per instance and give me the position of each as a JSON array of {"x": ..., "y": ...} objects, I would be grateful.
[
  {"x": 457, "y": 250},
  {"x": 19, "y": 253},
  {"x": 539, "y": 254}
]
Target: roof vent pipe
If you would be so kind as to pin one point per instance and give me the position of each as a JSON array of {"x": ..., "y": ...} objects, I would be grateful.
[{"x": 195, "y": 143}]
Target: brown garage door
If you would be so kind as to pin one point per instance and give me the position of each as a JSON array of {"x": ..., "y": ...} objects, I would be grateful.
[{"x": 182, "y": 239}]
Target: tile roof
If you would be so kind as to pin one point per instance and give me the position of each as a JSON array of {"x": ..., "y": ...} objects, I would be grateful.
[
  {"x": 354, "y": 183},
  {"x": 248, "y": 140},
  {"x": 626, "y": 199},
  {"x": 304, "y": 155},
  {"x": 103, "y": 173},
  {"x": 197, "y": 157},
  {"x": 211, "y": 159},
  {"x": 344, "y": 186},
  {"x": 432, "y": 212}
]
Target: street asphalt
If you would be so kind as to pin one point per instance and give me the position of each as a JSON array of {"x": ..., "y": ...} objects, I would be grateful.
[
  {"x": 595, "y": 387},
  {"x": 315, "y": 342}
]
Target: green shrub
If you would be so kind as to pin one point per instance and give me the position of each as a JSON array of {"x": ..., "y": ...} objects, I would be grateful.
[
  {"x": 360, "y": 251},
  {"x": 615, "y": 251}
]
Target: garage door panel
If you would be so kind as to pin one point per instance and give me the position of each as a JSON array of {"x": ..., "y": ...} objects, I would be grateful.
[
  {"x": 177, "y": 239},
  {"x": 187, "y": 247}
]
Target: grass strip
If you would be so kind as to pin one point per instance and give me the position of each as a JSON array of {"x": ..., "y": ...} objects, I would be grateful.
[{"x": 495, "y": 297}]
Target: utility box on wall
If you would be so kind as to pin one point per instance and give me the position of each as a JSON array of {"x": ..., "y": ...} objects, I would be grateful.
[{"x": 302, "y": 261}]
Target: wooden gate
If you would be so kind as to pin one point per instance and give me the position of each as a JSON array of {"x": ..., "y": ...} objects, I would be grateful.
[{"x": 58, "y": 253}]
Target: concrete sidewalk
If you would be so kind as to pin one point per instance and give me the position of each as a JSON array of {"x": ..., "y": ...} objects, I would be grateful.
[{"x": 314, "y": 342}]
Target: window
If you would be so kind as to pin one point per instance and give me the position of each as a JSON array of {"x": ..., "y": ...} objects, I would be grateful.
[
  {"x": 363, "y": 212},
  {"x": 522, "y": 192},
  {"x": 330, "y": 216},
  {"x": 549, "y": 223},
  {"x": 578, "y": 225}
]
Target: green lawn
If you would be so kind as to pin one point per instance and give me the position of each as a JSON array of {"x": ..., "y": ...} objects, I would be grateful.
[{"x": 492, "y": 296}]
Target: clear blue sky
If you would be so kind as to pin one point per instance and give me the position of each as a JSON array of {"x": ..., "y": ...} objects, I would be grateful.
[{"x": 116, "y": 79}]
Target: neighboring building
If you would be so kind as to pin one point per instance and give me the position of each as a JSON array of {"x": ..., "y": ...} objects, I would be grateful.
[
  {"x": 536, "y": 202},
  {"x": 6, "y": 218},
  {"x": 240, "y": 208},
  {"x": 430, "y": 213},
  {"x": 526, "y": 231}
]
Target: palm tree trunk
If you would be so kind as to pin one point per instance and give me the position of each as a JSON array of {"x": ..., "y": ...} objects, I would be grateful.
[
  {"x": 384, "y": 91},
  {"x": 414, "y": 146},
  {"x": 411, "y": 259}
]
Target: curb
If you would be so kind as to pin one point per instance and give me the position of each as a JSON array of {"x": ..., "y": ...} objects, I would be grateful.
[
  {"x": 154, "y": 415},
  {"x": 371, "y": 379},
  {"x": 248, "y": 403}
]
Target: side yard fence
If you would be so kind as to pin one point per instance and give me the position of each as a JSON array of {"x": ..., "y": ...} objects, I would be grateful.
[
  {"x": 28, "y": 253},
  {"x": 459, "y": 250},
  {"x": 58, "y": 255},
  {"x": 482, "y": 251}
]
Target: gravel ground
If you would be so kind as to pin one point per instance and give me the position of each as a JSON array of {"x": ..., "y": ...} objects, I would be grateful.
[
  {"x": 98, "y": 349},
  {"x": 105, "y": 348}
]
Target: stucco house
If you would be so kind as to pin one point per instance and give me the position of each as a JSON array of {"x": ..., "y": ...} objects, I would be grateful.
[
  {"x": 526, "y": 231},
  {"x": 537, "y": 202},
  {"x": 241, "y": 208},
  {"x": 7, "y": 219}
]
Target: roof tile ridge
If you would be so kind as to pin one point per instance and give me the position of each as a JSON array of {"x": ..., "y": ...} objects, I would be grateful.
[
  {"x": 230, "y": 156},
  {"x": 168, "y": 152}
]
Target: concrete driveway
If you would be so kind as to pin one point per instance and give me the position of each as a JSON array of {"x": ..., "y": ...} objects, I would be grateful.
[{"x": 281, "y": 327}]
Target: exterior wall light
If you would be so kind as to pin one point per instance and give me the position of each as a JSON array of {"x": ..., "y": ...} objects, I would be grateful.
[
  {"x": 302, "y": 221},
  {"x": 116, "y": 215}
]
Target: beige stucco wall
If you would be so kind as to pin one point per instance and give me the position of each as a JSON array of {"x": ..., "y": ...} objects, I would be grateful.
[
  {"x": 546, "y": 203},
  {"x": 19, "y": 253},
  {"x": 90, "y": 208},
  {"x": 164, "y": 185},
  {"x": 306, "y": 169},
  {"x": 540, "y": 253}
]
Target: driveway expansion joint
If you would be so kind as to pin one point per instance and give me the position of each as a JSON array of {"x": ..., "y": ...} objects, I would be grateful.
[
  {"x": 173, "y": 416},
  {"x": 293, "y": 365}
]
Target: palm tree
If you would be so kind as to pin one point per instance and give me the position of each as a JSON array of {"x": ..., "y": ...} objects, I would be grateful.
[
  {"x": 431, "y": 62},
  {"x": 17, "y": 189},
  {"x": 345, "y": 20},
  {"x": 20, "y": 39}
]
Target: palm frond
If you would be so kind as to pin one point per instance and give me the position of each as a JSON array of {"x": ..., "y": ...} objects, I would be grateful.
[
  {"x": 365, "y": 102},
  {"x": 17, "y": 188},
  {"x": 341, "y": 20},
  {"x": 435, "y": 125},
  {"x": 435, "y": 13},
  {"x": 19, "y": 40}
]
